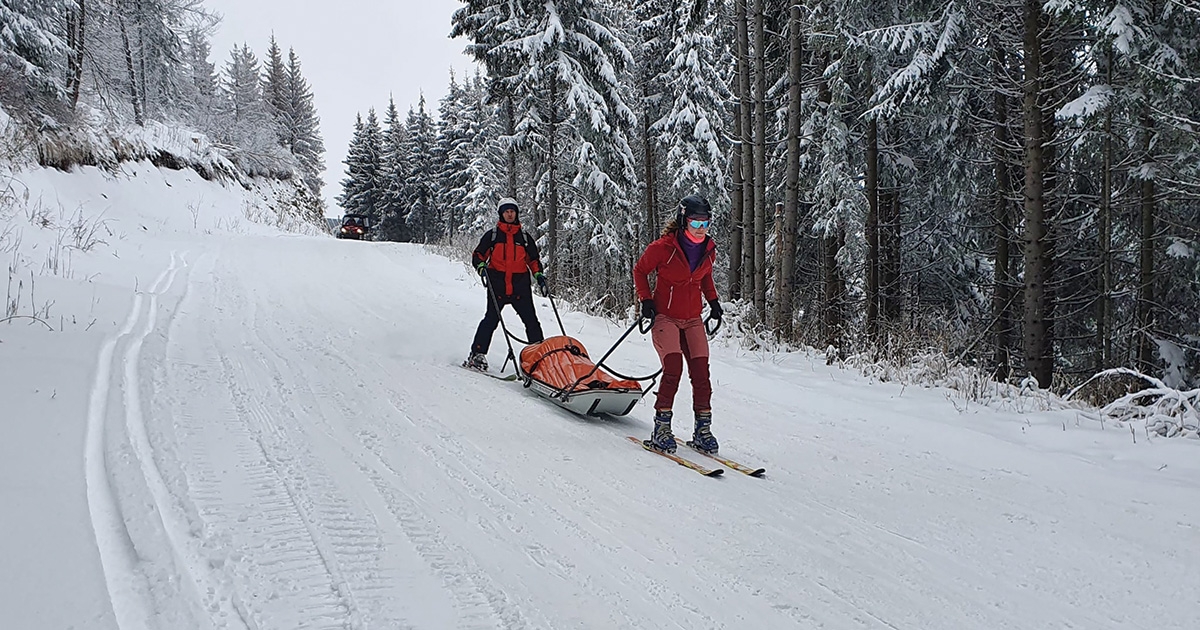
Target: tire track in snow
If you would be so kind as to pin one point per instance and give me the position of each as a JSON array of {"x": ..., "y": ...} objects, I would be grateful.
[
  {"x": 284, "y": 549},
  {"x": 481, "y": 603},
  {"x": 126, "y": 589},
  {"x": 516, "y": 520},
  {"x": 116, "y": 540},
  {"x": 258, "y": 376}
]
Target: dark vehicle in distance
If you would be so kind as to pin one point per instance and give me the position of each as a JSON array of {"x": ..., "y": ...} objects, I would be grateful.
[{"x": 354, "y": 226}]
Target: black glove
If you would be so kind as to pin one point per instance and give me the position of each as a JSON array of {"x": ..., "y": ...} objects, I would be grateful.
[
  {"x": 541, "y": 280},
  {"x": 714, "y": 310},
  {"x": 648, "y": 311}
]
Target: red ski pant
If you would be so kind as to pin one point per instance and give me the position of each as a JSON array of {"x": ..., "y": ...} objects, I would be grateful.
[{"x": 679, "y": 340}]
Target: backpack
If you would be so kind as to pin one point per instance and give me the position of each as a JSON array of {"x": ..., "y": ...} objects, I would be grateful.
[{"x": 497, "y": 237}]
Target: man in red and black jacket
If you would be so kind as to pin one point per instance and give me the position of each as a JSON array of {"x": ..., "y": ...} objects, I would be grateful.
[{"x": 507, "y": 256}]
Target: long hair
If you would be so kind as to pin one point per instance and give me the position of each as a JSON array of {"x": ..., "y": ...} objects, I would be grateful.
[{"x": 671, "y": 226}]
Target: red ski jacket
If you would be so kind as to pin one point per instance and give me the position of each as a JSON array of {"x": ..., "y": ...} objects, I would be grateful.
[
  {"x": 511, "y": 254},
  {"x": 678, "y": 291}
]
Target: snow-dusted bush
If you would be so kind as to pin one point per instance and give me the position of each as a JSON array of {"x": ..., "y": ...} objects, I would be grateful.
[
  {"x": 96, "y": 141},
  {"x": 1163, "y": 410}
]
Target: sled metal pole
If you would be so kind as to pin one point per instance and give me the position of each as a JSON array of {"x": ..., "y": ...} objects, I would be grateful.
[
  {"x": 500, "y": 316},
  {"x": 601, "y": 361},
  {"x": 555, "y": 307}
]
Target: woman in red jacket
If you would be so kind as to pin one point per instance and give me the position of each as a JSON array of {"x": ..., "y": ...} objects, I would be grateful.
[{"x": 682, "y": 259}]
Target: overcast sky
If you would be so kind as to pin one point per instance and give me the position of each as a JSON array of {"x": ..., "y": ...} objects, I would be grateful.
[{"x": 354, "y": 53}]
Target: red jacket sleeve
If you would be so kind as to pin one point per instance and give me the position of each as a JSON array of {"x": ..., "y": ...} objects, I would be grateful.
[
  {"x": 649, "y": 261},
  {"x": 706, "y": 284}
]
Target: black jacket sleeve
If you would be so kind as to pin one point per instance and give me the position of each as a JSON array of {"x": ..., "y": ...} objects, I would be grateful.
[
  {"x": 484, "y": 249},
  {"x": 531, "y": 253}
]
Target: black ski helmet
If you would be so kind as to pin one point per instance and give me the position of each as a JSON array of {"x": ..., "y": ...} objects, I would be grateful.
[
  {"x": 505, "y": 204},
  {"x": 694, "y": 206}
]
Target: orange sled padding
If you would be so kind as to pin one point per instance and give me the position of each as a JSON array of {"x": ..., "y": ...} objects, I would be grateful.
[{"x": 559, "y": 369}]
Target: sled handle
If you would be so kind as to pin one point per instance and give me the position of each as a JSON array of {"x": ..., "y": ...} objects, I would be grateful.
[{"x": 712, "y": 331}]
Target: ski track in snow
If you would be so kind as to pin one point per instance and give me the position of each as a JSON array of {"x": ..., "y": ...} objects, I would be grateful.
[{"x": 307, "y": 457}]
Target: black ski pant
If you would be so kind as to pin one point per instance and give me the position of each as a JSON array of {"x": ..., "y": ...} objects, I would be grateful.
[{"x": 522, "y": 303}]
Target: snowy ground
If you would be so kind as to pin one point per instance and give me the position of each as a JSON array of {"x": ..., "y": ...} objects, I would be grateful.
[{"x": 262, "y": 430}]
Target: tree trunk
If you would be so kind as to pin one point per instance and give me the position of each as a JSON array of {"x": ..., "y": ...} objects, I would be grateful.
[
  {"x": 131, "y": 75},
  {"x": 651, "y": 203},
  {"x": 760, "y": 162},
  {"x": 872, "y": 229},
  {"x": 552, "y": 180},
  {"x": 890, "y": 269},
  {"x": 834, "y": 289},
  {"x": 510, "y": 129},
  {"x": 1104, "y": 284},
  {"x": 75, "y": 44},
  {"x": 141, "y": 56},
  {"x": 831, "y": 241},
  {"x": 1038, "y": 362},
  {"x": 737, "y": 162},
  {"x": 1002, "y": 292},
  {"x": 746, "y": 264},
  {"x": 1145, "y": 307},
  {"x": 787, "y": 260}
]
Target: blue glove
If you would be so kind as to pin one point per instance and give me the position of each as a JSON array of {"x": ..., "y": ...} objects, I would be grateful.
[{"x": 541, "y": 280}]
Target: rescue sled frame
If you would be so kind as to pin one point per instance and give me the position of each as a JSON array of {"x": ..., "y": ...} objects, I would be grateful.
[{"x": 586, "y": 402}]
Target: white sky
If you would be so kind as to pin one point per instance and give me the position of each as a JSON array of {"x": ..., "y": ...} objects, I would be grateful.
[{"x": 354, "y": 53}]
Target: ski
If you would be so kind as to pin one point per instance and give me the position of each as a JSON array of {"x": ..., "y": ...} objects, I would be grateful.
[
  {"x": 509, "y": 378},
  {"x": 707, "y": 472},
  {"x": 742, "y": 468}
]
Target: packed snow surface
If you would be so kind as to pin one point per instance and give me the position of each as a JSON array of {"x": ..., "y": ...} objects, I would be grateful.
[{"x": 263, "y": 430}]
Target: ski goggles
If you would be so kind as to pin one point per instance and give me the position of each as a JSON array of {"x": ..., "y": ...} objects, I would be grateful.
[{"x": 698, "y": 224}]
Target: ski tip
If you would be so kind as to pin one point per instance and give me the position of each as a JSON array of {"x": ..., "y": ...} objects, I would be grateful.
[
  {"x": 716, "y": 472},
  {"x": 760, "y": 473}
]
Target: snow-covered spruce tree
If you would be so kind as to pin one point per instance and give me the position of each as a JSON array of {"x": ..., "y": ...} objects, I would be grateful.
[
  {"x": 425, "y": 220},
  {"x": 154, "y": 51},
  {"x": 452, "y": 155},
  {"x": 301, "y": 127},
  {"x": 653, "y": 32},
  {"x": 205, "y": 87},
  {"x": 561, "y": 63},
  {"x": 1139, "y": 117},
  {"x": 274, "y": 85},
  {"x": 487, "y": 23},
  {"x": 691, "y": 127},
  {"x": 485, "y": 151},
  {"x": 829, "y": 173},
  {"x": 924, "y": 166},
  {"x": 33, "y": 58},
  {"x": 361, "y": 189},
  {"x": 247, "y": 125},
  {"x": 393, "y": 169}
]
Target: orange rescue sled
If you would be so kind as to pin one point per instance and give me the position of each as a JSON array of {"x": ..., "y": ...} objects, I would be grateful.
[{"x": 559, "y": 369}]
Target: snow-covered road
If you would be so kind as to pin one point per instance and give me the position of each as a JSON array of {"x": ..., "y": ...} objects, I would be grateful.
[{"x": 290, "y": 444}]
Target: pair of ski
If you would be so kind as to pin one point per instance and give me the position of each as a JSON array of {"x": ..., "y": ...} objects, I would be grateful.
[
  {"x": 498, "y": 377},
  {"x": 703, "y": 470}
]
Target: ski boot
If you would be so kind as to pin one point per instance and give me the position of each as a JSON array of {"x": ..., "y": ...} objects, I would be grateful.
[
  {"x": 477, "y": 361},
  {"x": 662, "y": 439},
  {"x": 702, "y": 437}
]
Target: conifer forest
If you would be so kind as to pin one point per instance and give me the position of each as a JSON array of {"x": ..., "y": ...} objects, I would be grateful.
[{"x": 1014, "y": 184}]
